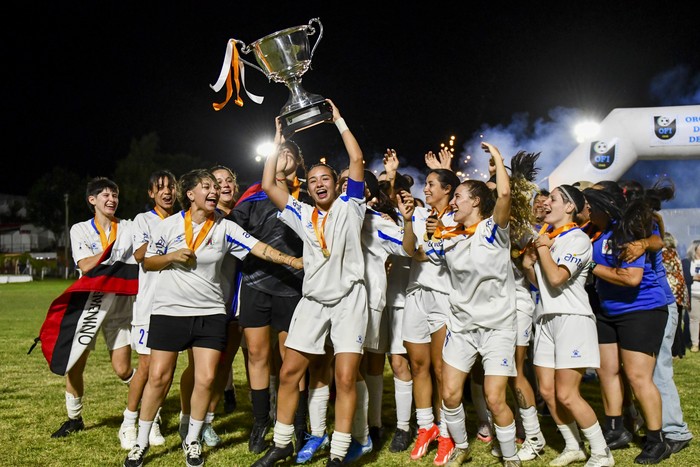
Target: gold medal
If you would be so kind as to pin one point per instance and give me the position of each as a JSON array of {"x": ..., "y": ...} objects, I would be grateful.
[
  {"x": 326, "y": 253},
  {"x": 514, "y": 253}
]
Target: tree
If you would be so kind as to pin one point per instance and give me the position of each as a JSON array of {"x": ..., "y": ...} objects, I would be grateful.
[
  {"x": 132, "y": 172},
  {"x": 46, "y": 203}
]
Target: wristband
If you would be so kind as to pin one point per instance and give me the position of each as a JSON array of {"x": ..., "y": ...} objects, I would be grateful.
[
  {"x": 340, "y": 124},
  {"x": 592, "y": 265}
]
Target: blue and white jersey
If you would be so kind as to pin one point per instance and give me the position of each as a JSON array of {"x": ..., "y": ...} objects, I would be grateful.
[
  {"x": 196, "y": 291},
  {"x": 482, "y": 283},
  {"x": 144, "y": 224},
  {"x": 85, "y": 239},
  {"x": 328, "y": 279},
  {"x": 380, "y": 239},
  {"x": 427, "y": 274},
  {"x": 571, "y": 249}
]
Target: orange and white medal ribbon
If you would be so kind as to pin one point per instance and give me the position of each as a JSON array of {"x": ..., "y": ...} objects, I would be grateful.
[
  {"x": 320, "y": 236},
  {"x": 448, "y": 232},
  {"x": 103, "y": 237},
  {"x": 193, "y": 243},
  {"x": 562, "y": 229},
  {"x": 162, "y": 214}
]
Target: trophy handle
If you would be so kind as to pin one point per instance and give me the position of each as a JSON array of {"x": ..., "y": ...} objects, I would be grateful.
[
  {"x": 246, "y": 50},
  {"x": 311, "y": 31}
]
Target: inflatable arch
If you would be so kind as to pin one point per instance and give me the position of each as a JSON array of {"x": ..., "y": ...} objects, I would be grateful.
[{"x": 628, "y": 135}]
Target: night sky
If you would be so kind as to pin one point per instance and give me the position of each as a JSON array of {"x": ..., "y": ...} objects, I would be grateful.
[{"x": 84, "y": 81}]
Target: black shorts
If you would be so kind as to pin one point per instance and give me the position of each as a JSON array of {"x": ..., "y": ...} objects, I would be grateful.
[
  {"x": 178, "y": 333},
  {"x": 638, "y": 331},
  {"x": 258, "y": 309}
]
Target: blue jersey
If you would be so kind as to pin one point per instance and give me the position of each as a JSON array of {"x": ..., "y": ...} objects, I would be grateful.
[{"x": 616, "y": 299}]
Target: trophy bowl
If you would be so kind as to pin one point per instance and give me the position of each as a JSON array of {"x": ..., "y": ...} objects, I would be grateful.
[{"x": 284, "y": 57}]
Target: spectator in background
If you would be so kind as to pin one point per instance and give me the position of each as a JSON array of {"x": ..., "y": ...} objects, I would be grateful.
[
  {"x": 694, "y": 257},
  {"x": 674, "y": 274}
]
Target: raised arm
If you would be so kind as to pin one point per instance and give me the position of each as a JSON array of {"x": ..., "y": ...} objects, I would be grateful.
[
  {"x": 356, "y": 168},
  {"x": 278, "y": 195},
  {"x": 501, "y": 212},
  {"x": 264, "y": 251},
  {"x": 406, "y": 205}
]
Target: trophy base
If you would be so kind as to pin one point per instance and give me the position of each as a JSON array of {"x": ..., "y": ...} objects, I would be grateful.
[{"x": 307, "y": 117}]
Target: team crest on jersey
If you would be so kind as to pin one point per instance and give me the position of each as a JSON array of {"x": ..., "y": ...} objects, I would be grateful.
[
  {"x": 160, "y": 246},
  {"x": 605, "y": 248}
]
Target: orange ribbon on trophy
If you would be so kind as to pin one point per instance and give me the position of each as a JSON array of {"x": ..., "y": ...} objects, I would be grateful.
[{"x": 232, "y": 62}]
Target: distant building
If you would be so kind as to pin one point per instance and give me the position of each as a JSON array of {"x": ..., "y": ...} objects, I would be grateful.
[{"x": 22, "y": 238}]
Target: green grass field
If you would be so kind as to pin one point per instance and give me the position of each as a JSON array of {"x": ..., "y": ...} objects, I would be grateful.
[{"x": 32, "y": 405}]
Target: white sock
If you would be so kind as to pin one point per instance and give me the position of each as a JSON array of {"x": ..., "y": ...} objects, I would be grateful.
[
  {"x": 442, "y": 426},
  {"x": 375, "y": 387},
  {"x": 194, "y": 430},
  {"x": 403, "y": 395},
  {"x": 455, "y": 420},
  {"x": 282, "y": 434},
  {"x": 74, "y": 406},
  {"x": 340, "y": 442},
  {"x": 572, "y": 438},
  {"x": 506, "y": 439},
  {"x": 318, "y": 409},
  {"x": 425, "y": 417},
  {"x": 595, "y": 437},
  {"x": 144, "y": 430},
  {"x": 531, "y": 423},
  {"x": 127, "y": 381},
  {"x": 360, "y": 429},
  {"x": 209, "y": 418},
  {"x": 130, "y": 418}
]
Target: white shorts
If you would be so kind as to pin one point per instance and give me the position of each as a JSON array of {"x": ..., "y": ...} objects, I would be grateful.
[
  {"x": 345, "y": 323},
  {"x": 139, "y": 338},
  {"x": 377, "y": 338},
  {"x": 426, "y": 311},
  {"x": 566, "y": 341},
  {"x": 523, "y": 322},
  {"x": 116, "y": 327},
  {"x": 496, "y": 347}
]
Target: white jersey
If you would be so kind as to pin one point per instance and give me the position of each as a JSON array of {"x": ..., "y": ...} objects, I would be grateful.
[
  {"x": 573, "y": 250},
  {"x": 85, "y": 239},
  {"x": 327, "y": 280},
  {"x": 144, "y": 224},
  {"x": 482, "y": 277},
  {"x": 380, "y": 238},
  {"x": 426, "y": 274},
  {"x": 195, "y": 292}
]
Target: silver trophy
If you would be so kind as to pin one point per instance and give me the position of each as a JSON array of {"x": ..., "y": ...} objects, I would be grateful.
[{"x": 284, "y": 57}]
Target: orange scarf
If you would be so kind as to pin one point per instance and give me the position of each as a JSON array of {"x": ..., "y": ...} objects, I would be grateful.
[{"x": 449, "y": 232}]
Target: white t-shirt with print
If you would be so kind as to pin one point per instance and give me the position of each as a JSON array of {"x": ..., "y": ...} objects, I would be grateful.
[{"x": 427, "y": 274}]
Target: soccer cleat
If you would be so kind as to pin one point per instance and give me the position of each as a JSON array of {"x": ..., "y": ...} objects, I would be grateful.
[
  {"x": 531, "y": 449},
  {"x": 445, "y": 447},
  {"x": 459, "y": 456},
  {"x": 127, "y": 436},
  {"x": 653, "y": 453},
  {"x": 209, "y": 436},
  {"x": 677, "y": 445},
  {"x": 376, "y": 433},
  {"x": 300, "y": 435},
  {"x": 617, "y": 439},
  {"x": 274, "y": 455},
  {"x": 334, "y": 462},
  {"x": 230, "y": 400},
  {"x": 601, "y": 460},
  {"x": 569, "y": 456},
  {"x": 135, "y": 456},
  {"x": 257, "y": 443},
  {"x": 401, "y": 440},
  {"x": 70, "y": 426},
  {"x": 155, "y": 437},
  {"x": 193, "y": 454},
  {"x": 485, "y": 432},
  {"x": 357, "y": 450},
  {"x": 313, "y": 444},
  {"x": 424, "y": 438}
]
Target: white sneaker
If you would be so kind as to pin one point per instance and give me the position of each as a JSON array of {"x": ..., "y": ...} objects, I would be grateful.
[
  {"x": 568, "y": 456},
  {"x": 127, "y": 436},
  {"x": 155, "y": 438},
  {"x": 531, "y": 449},
  {"x": 601, "y": 460},
  {"x": 209, "y": 436}
]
